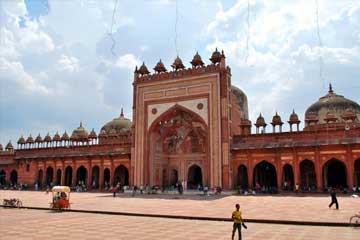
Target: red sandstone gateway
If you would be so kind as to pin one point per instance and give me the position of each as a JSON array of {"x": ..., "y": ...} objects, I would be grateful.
[{"x": 60, "y": 197}]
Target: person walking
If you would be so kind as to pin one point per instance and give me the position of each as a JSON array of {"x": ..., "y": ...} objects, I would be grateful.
[
  {"x": 334, "y": 199},
  {"x": 238, "y": 221}
]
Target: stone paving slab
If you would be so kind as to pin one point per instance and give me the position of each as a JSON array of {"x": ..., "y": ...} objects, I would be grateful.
[
  {"x": 292, "y": 208},
  {"x": 35, "y": 224}
]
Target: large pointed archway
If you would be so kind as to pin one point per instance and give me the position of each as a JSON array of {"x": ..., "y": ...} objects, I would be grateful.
[
  {"x": 175, "y": 138},
  {"x": 121, "y": 176},
  {"x": 49, "y": 176},
  {"x": 265, "y": 175},
  {"x": 106, "y": 177},
  {"x": 334, "y": 174},
  {"x": 307, "y": 174},
  {"x": 95, "y": 175},
  {"x": 288, "y": 177},
  {"x": 81, "y": 175},
  {"x": 195, "y": 177},
  {"x": 242, "y": 180},
  {"x": 58, "y": 177},
  {"x": 14, "y": 177}
]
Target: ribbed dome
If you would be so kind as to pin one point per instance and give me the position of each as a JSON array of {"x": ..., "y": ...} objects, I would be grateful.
[
  {"x": 79, "y": 134},
  {"x": 276, "y": 120},
  {"x": 21, "y": 140},
  {"x": 260, "y": 121},
  {"x": 197, "y": 61},
  {"x": 38, "y": 139},
  {"x": 241, "y": 100},
  {"x": 9, "y": 146},
  {"x": 30, "y": 139},
  {"x": 65, "y": 137},
  {"x": 334, "y": 104},
  {"x": 117, "y": 125},
  {"x": 294, "y": 118},
  {"x": 47, "y": 138},
  {"x": 57, "y": 137}
]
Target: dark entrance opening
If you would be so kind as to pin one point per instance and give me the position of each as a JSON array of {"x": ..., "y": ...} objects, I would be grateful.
[
  {"x": 81, "y": 175},
  {"x": 95, "y": 177},
  {"x": 288, "y": 177},
  {"x": 334, "y": 174},
  {"x": 265, "y": 176},
  {"x": 174, "y": 178},
  {"x": 307, "y": 175},
  {"x": 242, "y": 178},
  {"x": 2, "y": 177},
  {"x": 58, "y": 177},
  {"x": 194, "y": 177},
  {"x": 121, "y": 176},
  {"x": 49, "y": 176},
  {"x": 68, "y": 176},
  {"x": 40, "y": 178},
  {"x": 357, "y": 173},
  {"x": 13, "y": 177},
  {"x": 107, "y": 177}
]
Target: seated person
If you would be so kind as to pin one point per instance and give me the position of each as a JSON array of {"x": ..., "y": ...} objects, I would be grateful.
[{"x": 63, "y": 195}]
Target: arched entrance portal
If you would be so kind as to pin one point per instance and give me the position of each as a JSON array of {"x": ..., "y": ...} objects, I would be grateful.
[
  {"x": 2, "y": 177},
  {"x": 68, "y": 176},
  {"x": 174, "y": 178},
  {"x": 95, "y": 177},
  {"x": 174, "y": 138},
  {"x": 49, "y": 176},
  {"x": 265, "y": 175},
  {"x": 58, "y": 177},
  {"x": 307, "y": 175},
  {"x": 334, "y": 174},
  {"x": 194, "y": 177},
  {"x": 242, "y": 178},
  {"x": 121, "y": 176},
  {"x": 13, "y": 177},
  {"x": 81, "y": 175},
  {"x": 288, "y": 177},
  {"x": 107, "y": 177},
  {"x": 357, "y": 172}
]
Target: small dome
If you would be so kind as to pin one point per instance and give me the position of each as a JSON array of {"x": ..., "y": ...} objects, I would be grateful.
[
  {"x": 159, "y": 68},
  {"x": 9, "y": 146},
  {"x": 30, "y": 139},
  {"x": 21, "y": 140},
  {"x": 217, "y": 56},
  {"x": 47, "y": 138},
  {"x": 241, "y": 100},
  {"x": 336, "y": 103},
  {"x": 178, "y": 64},
  {"x": 294, "y": 118},
  {"x": 65, "y": 137},
  {"x": 197, "y": 61},
  {"x": 276, "y": 120},
  {"x": 38, "y": 139},
  {"x": 143, "y": 70},
  {"x": 260, "y": 121},
  {"x": 56, "y": 137},
  {"x": 330, "y": 116},
  {"x": 79, "y": 134},
  {"x": 92, "y": 134},
  {"x": 118, "y": 125},
  {"x": 349, "y": 115},
  {"x": 102, "y": 133}
]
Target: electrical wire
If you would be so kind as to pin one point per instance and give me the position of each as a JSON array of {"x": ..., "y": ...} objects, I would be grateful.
[
  {"x": 112, "y": 49},
  {"x": 176, "y": 25},
  {"x": 320, "y": 46}
]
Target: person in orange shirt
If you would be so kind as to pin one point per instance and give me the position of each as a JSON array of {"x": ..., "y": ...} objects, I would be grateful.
[{"x": 238, "y": 221}]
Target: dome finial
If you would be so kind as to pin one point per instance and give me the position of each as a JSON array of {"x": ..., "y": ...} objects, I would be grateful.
[
  {"x": 122, "y": 113},
  {"x": 81, "y": 123},
  {"x": 330, "y": 88}
]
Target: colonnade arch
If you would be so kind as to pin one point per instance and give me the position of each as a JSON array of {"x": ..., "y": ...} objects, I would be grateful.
[
  {"x": 95, "y": 177},
  {"x": 58, "y": 177},
  {"x": 121, "y": 176},
  {"x": 334, "y": 174},
  {"x": 13, "y": 177},
  {"x": 288, "y": 176},
  {"x": 81, "y": 175},
  {"x": 242, "y": 180},
  {"x": 357, "y": 172},
  {"x": 68, "y": 176},
  {"x": 49, "y": 176},
  {"x": 307, "y": 174},
  {"x": 265, "y": 174},
  {"x": 2, "y": 177},
  {"x": 106, "y": 176}
]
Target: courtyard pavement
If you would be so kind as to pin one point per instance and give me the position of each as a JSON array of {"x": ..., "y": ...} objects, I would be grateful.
[
  {"x": 39, "y": 224},
  {"x": 278, "y": 207}
]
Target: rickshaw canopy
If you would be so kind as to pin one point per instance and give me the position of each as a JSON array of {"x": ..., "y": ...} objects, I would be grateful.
[{"x": 61, "y": 189}]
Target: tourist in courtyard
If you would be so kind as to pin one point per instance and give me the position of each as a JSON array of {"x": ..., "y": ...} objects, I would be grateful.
[
  {"x": 114, "y": 189},
  {"x": 334, "y": 199},
  {"x": 238, "y": 221}
]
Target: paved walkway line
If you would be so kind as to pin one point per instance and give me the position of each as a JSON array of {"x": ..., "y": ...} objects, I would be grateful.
[{"x": 269, "y": 221}]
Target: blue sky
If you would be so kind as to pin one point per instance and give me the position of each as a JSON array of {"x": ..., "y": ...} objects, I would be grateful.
[{"x": 57, "y": 68}]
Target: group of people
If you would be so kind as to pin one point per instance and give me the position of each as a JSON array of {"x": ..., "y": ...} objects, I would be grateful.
[{"x": 15, "y": 186}]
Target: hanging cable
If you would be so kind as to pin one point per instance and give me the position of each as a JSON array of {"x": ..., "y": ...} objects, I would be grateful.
[
  {"x": 112, "y": 49},
  {"x": 248, "y": 32},
  {"x": 176, "y": 32},
  {"x": 320, "y": 45}
]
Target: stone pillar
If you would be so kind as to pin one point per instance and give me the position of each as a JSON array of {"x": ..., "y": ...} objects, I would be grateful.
[
  {"x": 101, "y": 174},
  {"x": 63, "y": 172},
  {"x": 350, "y": 167},
  {"x": 318, "y": 170}
]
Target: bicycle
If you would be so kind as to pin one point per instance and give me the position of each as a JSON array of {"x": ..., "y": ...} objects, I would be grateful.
[
  {"x": 12, "y": 202},
  {"x": 355, "y": 220}
]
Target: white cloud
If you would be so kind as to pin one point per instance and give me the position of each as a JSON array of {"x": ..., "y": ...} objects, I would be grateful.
[
  {"x": 68, "y": 63},
  {"x": 128, "y": 61}
]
